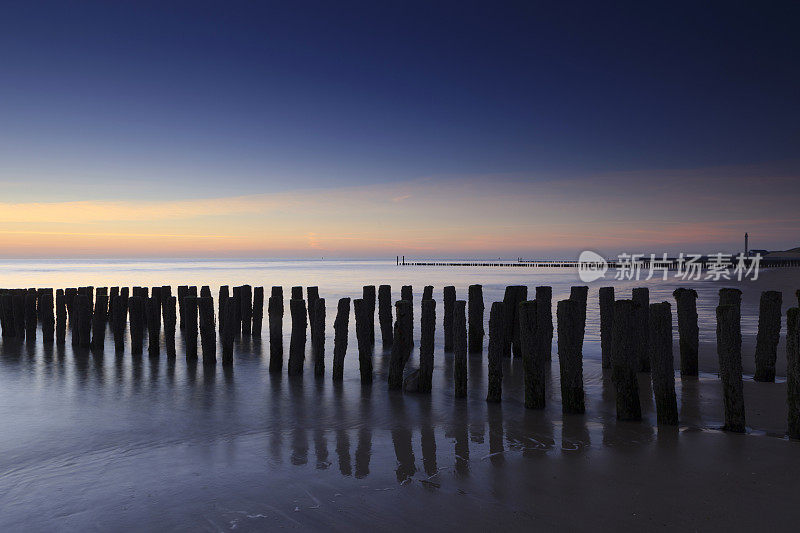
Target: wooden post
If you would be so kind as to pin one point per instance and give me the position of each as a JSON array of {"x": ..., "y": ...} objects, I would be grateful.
[
  {"x": 232, "y": 325},
  {"x": 119, "y": 313},
  {"x": 580, "y": 294},
  {"x": 400, "y": 347},
  {"x": 61, "y": 317},
  {"x": 729, "y": 351},
  {"x": 205, "y": 291},
  {"x": 183, "y": 292},
  {"x": 460, "y": 348},
  {"x": 47, "y": 316},
  {"x": 113, "y": 294},
  {"x": 275, "y": 317},
  {"x": 368, "y": 295},
  {"x": 153, "y": 310},
  {"x": 534, "y": 360},
  {"x": 641, "y": 302},
  {"x": 427, "y": 292},
  {"x": 84, "y": 302},
  {"x": 155, "y": 293},
  {"x": 663, "y": 373},
  {"x": 729, "y": 296},
  {"x": 9, "y": 328},
  {"x": 208, "y": 335},
  {"x": 340, "y": 327},
  {"x": 496, "y": 345},
  {"x": 571, "y": 316},
  {"x": 170, "y": 320},
  {"x": 449, "y": 305},
  {"x": 793, "y": 371},
  {"x": 407, "y": 294},
  {"x": 247, "y": 309},
  {"x": 475, "y": 318},
  {"x": 364, "y": 345},
  {"x": 297, "y": 343},
  {"x": 224, "y": 294},
  {"x": 769, "y": 334},
  {"x": 625, "y": 361},
  {"x": 99, "y": 323},
  {"x": 297, "y": 294},
  {"x": 385, "y": 314},
  {"x": 237, "y": 312},
  {"x": 318, "y": 337},
  {"x": 426, "y": 343},
  {"x": 30, "y": 316},
  {"x": 190, "y": 320},
  {"x": 258, "y": 311},
  {"x": 606, "y": 295},
  {"x": 514, "y": 295},
  {"x": 688, "y": 330},
  {"x": 136, "y": 312}
]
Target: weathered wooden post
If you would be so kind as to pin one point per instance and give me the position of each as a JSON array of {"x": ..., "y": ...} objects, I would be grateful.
[
  {"x": 183, "y": 292},
  {"x": 534, "y": 360},
  {"x": 237, "y": 310},
  {"x": 368, "y": 295},
  {"x": 246, "y": 309},
  {"x": 9, "y": 328},
  {"x": 99, "y": 322},
  {"x": 30, "y": 316},
  {"x": 18, "y": 304},
  {"x": 69, "y": 300},
  {"x": 793, "y": 371},
  {"x": 362, "y": 338},
  {"x": 407, "y": 294},
  {"x": 113, "y": 294},
  {"x": 427, "y": 292},
  {"x": 258, "y": 311},
  {"x": 297, "y": 343},
  {"x": 580, "y": 294},
  {"x": 475, "y": 318},
  {"x": 729, "y": 296},
  {"x": 514, "y": 295},
  {"x": 318, "y": 337},
  {"x": 119, "y": 315},
  {"x": 606, "y": 295},
  {"x": 571, "y": 316},
  {"x": 449, "y": 305},
  {"x": 641, "y": 302},
  {"x": 153, "y": 310},
  {"x": 460, "y": 348},
  {"x": 136, "y": 313},
  {"x": 496, "y": 345},
  {"x": 729, "y": 351},
  {"x": 155, "y": 293},
  {"x": 85, "y": 320},
  {"x": 663, "y": 372},
  {"x": 232, "y": 308},
  {"x": 205, "y": 291},
  {"x": 625, "y": 361},
  {"x": 170, "y": 320},
  {"x": 190, "y": 319},
  {"x": 61, "y": 317},
  {"x": 48, "y": 317},
  {"x": 385, "y": 314},
  {"x": 688, "y": 330},
  {"x": 400, "y": 347},
  {"x": 769, "y": 334},
  {"x": 340, "y": 326},
  {"x": 426, "y": 343},
  {"x": 224, "y": 294},
  {"x": 297, "y": 294},
  {"x": 275, "y": 317},
  {"x": 208, "y": 332}
]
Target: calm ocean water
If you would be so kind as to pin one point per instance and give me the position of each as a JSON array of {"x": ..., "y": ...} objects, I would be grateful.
[{"x": 105, "y": 442}]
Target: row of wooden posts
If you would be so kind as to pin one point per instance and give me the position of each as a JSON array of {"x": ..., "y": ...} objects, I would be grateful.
[{"x": 636, "y": 336}]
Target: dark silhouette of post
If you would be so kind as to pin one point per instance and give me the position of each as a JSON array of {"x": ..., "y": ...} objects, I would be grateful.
[
  {"x": 340, "y": 327},
  {"x": 475, "y": 318},
  {"x": 496, "y": 328},
  {"x": 136, "y": 312},
  {"x": 514, "y": 295},
  {"x": 208, "y": 332},
  {"x": 99, "y": 323},
  {"x": 407, "y": 294},
  {"x": 606, "y": 296},
  {"x": 297, "y": 342},
  {"x": 363, "y": 341},
  {"x": 190, "y": 321},
  {"x": 641, "y": 303},
  {"x": 426, "y": 343},
  {"x": 571, "y": 316},
  {"x": 427, "y": 292},
  {"x": 258, "y": 311},
  {"x": 688, "y": 330},
  {"x": 153, "y": 312},
  {"x": 224, "y": 294},
  {"x": 318, "y": 337},
  {"x": 170, "y": 321},
  {"x": 625, "y": 361},
  {"x": 769, "y": 334},
  {"x": 449, "y": 305},
  {"x": 231, "y": 328},
  {"x": 729, "y": 351},
  {"x": 30, "y": 316},
  {"x": 275, "y": 317},
  {"x": 297, "y": 294},
  {"x": 385, "y": 314},
  {"x": 793, "y": 371},
  {"x": 246, "y": 309},
  {"x": 460, "y": 348},
  {"x": 312, "y": 295},
  {"x": 183, "y": 292},
  {"x": 401, "y": 347},
  {"x": 544, "y": 320},
  {"x": 580, "y": 294},
  {"x": 61, "y": 317},
  {"x": 118, "y": 316},
  {"x": 663, "y": 372},
  {"x": 368, "y": 295},
  {"x": 534, "y": 360},
  {"x": 47, "y": 317}
]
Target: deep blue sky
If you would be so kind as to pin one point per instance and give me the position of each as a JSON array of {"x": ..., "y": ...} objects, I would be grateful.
[{"x": 295, "y": 94}]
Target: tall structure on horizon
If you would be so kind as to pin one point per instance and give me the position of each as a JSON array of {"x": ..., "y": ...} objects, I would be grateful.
[{"x": 745, "y": 245}]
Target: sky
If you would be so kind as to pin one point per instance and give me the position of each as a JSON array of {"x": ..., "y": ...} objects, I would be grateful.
[{"x": 375, "y": 129}]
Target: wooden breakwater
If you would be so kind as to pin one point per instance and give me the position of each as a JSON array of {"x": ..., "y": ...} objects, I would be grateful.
[
  {"x": 636, "y": 336},
  {"x": 704, "y": 263}
]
